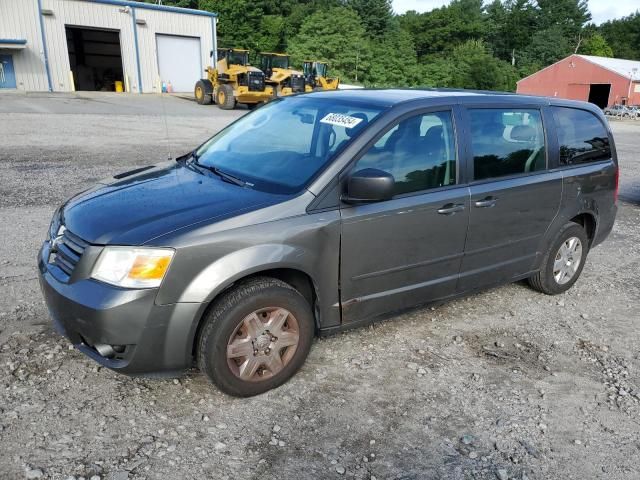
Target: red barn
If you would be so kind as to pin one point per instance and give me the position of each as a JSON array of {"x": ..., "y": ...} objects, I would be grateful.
[{"x": 600, "y": 80}]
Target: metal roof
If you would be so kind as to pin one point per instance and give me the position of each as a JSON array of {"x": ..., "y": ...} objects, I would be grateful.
[
  {"x": 153, "y": 6},
  {"x": 627, "y": 68},
  {"x": 393, "y": 96}
]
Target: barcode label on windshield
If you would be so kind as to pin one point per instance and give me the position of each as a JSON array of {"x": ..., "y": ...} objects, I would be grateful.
[{"x": 341, "y": 120}]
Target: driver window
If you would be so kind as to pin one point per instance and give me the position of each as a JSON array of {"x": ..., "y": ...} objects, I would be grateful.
[{"x": 420, "y": 153}]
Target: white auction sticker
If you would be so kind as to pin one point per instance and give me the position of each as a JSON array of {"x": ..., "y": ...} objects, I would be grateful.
[{"x": 341, "y": 120}]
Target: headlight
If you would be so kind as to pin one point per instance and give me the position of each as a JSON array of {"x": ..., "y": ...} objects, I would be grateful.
[
  {"x": 132, "y": 267},
  {"x": 54, "y": 226}
]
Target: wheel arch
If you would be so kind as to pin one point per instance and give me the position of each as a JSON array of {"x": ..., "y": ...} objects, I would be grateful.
[
  {"x": 588, "y": 221},
  {"x": 293, "y": 276}
]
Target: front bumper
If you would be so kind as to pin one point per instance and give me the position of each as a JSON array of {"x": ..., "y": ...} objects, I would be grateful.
[{"x": 153, "y": 338}]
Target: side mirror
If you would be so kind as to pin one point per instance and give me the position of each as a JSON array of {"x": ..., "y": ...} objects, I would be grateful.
[{"x": 369, "y": 185}]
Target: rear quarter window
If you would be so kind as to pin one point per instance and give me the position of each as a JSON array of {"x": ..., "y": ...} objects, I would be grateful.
[{"x": 582, "y": 136}]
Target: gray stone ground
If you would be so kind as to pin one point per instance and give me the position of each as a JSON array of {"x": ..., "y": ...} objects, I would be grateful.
[{"x": 504, "y": 384}]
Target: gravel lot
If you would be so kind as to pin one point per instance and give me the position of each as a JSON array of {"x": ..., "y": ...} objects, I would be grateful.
[{"x": 508, "y": 384}]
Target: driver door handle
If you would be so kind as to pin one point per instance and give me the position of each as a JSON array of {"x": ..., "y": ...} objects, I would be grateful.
[
  {"x": 451, "y": 208},
  {"x": 487, "y": 202}
]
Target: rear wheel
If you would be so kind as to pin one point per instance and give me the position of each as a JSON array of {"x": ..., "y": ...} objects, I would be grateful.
[
  {"x": 563, "y": 263},
  {"x": 256, "y": 337},
  {"x": 225, "y": 98},
  {"x": 203, "y": 91}
]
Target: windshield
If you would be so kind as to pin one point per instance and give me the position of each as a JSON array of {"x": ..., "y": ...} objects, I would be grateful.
[
  {"x": 280, "y": 62},
  {"x": 321, "y": 69},
  {"x": 237, "y": 58},
  {"x": 281, "y": 146}
]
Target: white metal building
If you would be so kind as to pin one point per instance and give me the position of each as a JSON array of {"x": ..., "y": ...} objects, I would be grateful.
[{"x": 67, "y": 45}]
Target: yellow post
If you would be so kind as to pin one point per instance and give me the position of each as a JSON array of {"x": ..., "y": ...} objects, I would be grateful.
[{"x": 71, "y": 82}]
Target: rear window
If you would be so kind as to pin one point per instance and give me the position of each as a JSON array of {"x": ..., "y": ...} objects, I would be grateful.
[
  {"x": 506, "y": 142},
  {"x": 582, "y": 136}
]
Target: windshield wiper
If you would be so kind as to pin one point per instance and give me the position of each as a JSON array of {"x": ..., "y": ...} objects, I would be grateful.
[
  {"x": 225, "y": 176},
  {"x": 222, "y": 174}
]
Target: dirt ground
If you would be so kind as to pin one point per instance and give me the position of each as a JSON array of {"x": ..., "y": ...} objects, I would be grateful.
[{"x": 508, "y": 384}]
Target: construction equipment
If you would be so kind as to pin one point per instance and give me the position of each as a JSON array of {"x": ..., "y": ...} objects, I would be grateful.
[
  {"x": 285, "y": 80},
  {"x": 315, "y": 76},
  {"x": 233, "y": 80}
]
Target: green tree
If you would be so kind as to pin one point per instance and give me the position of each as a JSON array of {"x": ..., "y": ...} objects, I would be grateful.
[
  {"x": 596, "y": 45},
  {"x": 393, "y": 60},
  {"x": 335, "y": 35},
  {"x": 475, "y": 67},
  {"x": 272, "y": 34},
  {"x": 442, "y": 29},
  {"x": 376, "y": 15},
  {"x": 239, "y": 22},
  {"x": 623, "y": 35},
  {"x": 546, "y": 47},
  {"x": 569, "y": 16},
  {"x": 510, "y": 26}
]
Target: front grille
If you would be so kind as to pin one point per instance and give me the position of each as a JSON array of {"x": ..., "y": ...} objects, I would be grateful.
[
  {"x": 297, "y": 83},
  {"x": 66, "y": 252},
  {"x": 256, "y": 81}
]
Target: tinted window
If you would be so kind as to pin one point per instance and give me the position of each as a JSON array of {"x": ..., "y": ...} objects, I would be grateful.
[
  {"x": 582, "y": 136},
  {"x": 282, "y": 145},
  {"x": 506, "y": 142},
  {"x": 420, "y": 153}
]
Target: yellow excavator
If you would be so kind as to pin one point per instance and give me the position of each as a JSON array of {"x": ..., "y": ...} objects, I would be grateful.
[
  {"x": 233, "y": 80},
  {"x": 315, "y": 76},
  {"x": 277, "y": 69}
]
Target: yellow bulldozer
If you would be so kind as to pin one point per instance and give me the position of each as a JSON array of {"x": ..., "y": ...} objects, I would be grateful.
[
  {"x": 233, "y": 80},
  {"x": 279, "y": 74},
  {"x": 315, "y": 76}
]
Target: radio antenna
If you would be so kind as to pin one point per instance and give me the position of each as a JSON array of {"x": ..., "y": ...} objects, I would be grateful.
[{"x": 166, "y": 122}]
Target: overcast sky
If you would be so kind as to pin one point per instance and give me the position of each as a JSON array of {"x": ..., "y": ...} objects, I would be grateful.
[{"x": 601, "y": 10}]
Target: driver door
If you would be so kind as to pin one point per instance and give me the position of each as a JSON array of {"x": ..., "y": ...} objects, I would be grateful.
[{"x": 408, "y": 250}]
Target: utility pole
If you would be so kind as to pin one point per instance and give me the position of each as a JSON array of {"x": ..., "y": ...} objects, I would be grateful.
[{"x": 357, "y": 57}]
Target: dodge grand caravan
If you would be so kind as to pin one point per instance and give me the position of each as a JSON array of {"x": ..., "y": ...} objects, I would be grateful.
[{"x": 321, "y": 212}]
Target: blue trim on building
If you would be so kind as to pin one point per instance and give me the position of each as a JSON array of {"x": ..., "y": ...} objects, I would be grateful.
[
  {"x": 151, "y": 6},
  {"x": 135, "y": 42},
  {"x": 44, "y": 46},
  {"x": 214, "y": 41},
  {"x": 15, "y": 41}
]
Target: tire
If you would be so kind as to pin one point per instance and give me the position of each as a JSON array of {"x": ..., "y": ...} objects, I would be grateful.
[
  {"x": 546, "y": 280},
  {"x": 203, "y": 92},
  {"x": 225, "y": 98},
  {"x": 231, "y": 320}
]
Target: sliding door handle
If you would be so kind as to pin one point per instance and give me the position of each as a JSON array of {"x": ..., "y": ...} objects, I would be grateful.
[
  {"x": 486, "y": 202},
  {"x": 451, "y": 208}
]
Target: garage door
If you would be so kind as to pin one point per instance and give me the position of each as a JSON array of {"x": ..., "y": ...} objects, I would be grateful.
[{"x": 179, "y": 61}]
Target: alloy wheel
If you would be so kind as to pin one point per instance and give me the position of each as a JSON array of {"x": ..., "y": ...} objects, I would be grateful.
[
  {"x": 567, "y": 260},
  {"x": 262, "y": 344}
]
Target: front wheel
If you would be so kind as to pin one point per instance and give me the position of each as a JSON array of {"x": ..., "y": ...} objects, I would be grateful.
[
  {"x": 256, "y": 337},
  {"x": 225, "y": 98},
  {"x": 563, "y": 263},
  {"x": 203, "y": 91}
]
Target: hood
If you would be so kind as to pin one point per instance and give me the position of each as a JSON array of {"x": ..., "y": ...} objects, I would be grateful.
[{"x": 141, "y": 206}]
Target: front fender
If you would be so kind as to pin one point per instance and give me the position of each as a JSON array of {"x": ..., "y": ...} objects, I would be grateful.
[{"x": 226, "y": 270}]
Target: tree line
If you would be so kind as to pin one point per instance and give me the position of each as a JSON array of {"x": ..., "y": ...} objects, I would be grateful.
[{"x": 466, "y": 44}]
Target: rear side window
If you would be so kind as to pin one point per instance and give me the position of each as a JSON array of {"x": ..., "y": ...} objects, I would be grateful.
[
  {"x": 582, "y": 136},
  {"x": 506, "y": 142}
]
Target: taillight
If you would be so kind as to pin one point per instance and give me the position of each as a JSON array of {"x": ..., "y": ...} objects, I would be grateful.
[{"x": 615, "y": 194}]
